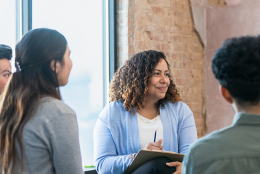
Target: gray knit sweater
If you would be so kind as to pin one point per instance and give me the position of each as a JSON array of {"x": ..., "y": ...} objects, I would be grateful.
[{"x": 50, "y": 141}]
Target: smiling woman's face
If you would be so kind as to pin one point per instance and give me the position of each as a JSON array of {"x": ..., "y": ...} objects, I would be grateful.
[
  {"x": 5, "y": 72},
  {"x": 159, "y": 82}
]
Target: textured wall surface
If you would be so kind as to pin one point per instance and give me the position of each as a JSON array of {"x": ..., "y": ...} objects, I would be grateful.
[
  {"x": 238, "y": 18},
  {"x": 166, "y": 25}
]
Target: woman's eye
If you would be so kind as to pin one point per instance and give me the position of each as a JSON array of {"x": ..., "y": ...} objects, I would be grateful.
[
  {"x": 6, "y": 75},
  {"x": 167, "y": 75},
  {"x": 156, "y": 73}
]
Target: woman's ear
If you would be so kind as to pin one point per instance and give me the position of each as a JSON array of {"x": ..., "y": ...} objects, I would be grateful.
[
  {"x": 58, "y": 66},
  {"x": 225, "y": 93}
]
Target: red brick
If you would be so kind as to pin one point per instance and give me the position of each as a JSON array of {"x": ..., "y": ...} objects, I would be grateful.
[
  {"x": 174, "y": 56},
  {"x": 176, "y": 64},
  {"x": 139, "y": 26},
  {"x": 164, "y": 46},
  {"x": 169, "y": 12},
  {"x": 186, "y": 22},
  {"x": 186, "y": 14},
  {"x": 148, "y": 35},
  {"x": 138, "y": 35},
  {"x": 150, "y": 28},
  {"x": 155, "y": 19},
  {"x": 199, "y": 123},
  {"x": 186, "y": 56},
  {"x": 163, "y": 37},
  {"x": 165, "y": 3},
  {"x": 158, "y": 11},
  {"x": 196, "y": 107},
  {"x": 174, "y": 39},
  {"x": 178, "y": 22},
  {"x": 179, "y": 47},
  {"x": 186, "y": 7},
  {"x": 155, "y": 36},
  {"x": 198, "y": 65},
  {"x": 196, "y": 73},
  {"x": 187, "y": 65},
  {"x": 178, "y": 14},
  {"x": 188, "y": 82},
  {"x": 200, "y": 132},
  {"x": 155, "y": 46},
  {"x": 139, "y": 44},
  {"x": 187, "y": 31},
  {"x": 194, "y": 89},
  {"x": 198, "y": 57},
  {"x": 197, "y": 115},
  {"x": 140, "y": 17},
  {"x": 142, "y": 9},
  {"x": 153, "y": 2},
  {"x": 168, "y": 21},
  {"x": 165, "y": 29},
  {"x": 176, "y": 4},
  {"x": 196, "y": 49}
]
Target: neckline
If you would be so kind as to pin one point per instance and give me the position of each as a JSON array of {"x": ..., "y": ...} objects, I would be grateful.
[{"x": 146, "y": 120}]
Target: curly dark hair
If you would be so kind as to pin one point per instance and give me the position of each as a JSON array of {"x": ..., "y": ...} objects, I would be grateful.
[
  {"x": 130, "y": 82},
  {"x": 5, "y": 52},
  {"x": 236, "y": 65}
]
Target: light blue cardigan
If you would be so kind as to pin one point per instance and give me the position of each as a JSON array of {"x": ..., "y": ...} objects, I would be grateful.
[{"x": 116, "y": 134}]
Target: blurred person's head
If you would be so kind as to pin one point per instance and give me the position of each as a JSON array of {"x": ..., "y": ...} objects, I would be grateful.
[
  {"x": 236, "y": 65},
  {"x": 146, "y": 76},
  {"x": 5, "y": 66},
  {"x": 43, "y": 64}
]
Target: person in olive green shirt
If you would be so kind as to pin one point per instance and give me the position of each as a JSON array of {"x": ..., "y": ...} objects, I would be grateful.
[{"x": 234, "y": 149}]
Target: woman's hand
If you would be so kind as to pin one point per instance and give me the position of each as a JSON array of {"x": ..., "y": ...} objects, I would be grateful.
[
  {"x": 155, "y": 145},
  {"x": 178, "y": 166}
]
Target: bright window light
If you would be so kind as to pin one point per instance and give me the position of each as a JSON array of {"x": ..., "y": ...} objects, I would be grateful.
[{"x": 80, "y": 21}]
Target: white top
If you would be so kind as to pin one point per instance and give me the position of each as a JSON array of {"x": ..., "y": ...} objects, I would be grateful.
[{"x": 147, "y": 129}]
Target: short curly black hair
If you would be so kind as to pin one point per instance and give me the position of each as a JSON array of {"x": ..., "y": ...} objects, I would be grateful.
[
  {"x": 5, "y": 52},
  {"x": 131, "y": 81},
  {"x": 236, "y": 65}
]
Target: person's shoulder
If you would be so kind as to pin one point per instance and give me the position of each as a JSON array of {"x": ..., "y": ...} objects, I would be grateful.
[
  {"x": 47, "y": 111},
  {"x": 52, "y": 106},
  {"x": 112, "y": 111},
  {"x": 212, "y": 144},
  {"x": 113, "y": 106},
  {"x": 176, "y": 105}
]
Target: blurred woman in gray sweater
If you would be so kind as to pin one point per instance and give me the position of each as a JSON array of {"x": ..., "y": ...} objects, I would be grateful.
[{"x": 38, "y": 132}]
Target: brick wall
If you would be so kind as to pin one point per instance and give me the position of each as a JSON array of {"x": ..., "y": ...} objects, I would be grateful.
[{"x": 166, "y": 25}]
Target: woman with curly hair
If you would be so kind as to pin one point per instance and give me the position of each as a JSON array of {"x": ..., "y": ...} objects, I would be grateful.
[{"x": 143, "y": 99}]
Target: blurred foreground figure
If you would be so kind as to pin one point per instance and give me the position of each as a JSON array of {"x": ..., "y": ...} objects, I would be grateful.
[{"x": 234, "y": 149}]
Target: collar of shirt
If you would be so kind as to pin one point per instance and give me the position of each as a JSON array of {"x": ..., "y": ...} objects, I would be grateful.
[{"x": 246, "y": 119}]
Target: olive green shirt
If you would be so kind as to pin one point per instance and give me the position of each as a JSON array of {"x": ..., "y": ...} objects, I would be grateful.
[{"x": 234, "y": 149}]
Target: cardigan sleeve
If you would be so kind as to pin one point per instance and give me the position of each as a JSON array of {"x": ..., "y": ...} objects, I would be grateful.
[
  {"x": 187, "y": 129},
  {"x": 105, "y": 153}
]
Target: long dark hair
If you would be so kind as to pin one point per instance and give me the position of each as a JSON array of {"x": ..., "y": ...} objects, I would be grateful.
[
  {"x": 131, "y": 81},
  {"x": 33, "y": 56}
]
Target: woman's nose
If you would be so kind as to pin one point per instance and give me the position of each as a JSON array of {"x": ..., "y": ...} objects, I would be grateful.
[{"x": 163, "y": 79}]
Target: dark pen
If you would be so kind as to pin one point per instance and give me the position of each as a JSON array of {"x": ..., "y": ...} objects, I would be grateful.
[{"x": 155, "y": 135}]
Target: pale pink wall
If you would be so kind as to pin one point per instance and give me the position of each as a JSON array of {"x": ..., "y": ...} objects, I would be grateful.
[{"x": 222, "y": 23}]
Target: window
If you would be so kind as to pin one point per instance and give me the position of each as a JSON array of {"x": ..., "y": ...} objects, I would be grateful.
[
  {"x": 89, "y": 27},
  {"x": 8, "y": 23},
  {"x": 81, "y": 22}
]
